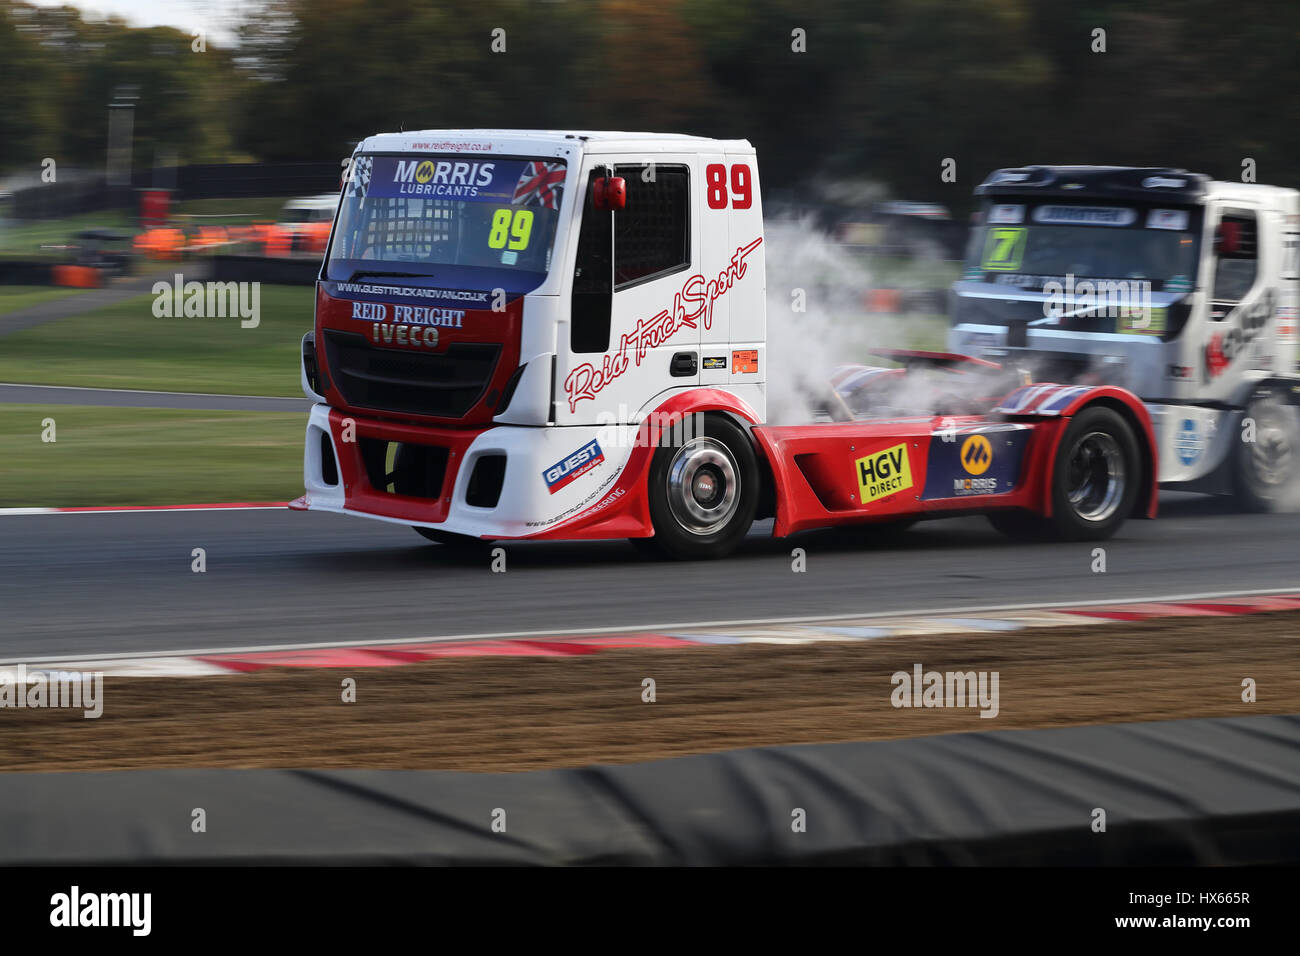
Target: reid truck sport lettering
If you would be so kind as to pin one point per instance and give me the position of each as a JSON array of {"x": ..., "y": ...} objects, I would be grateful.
[{"x": 586, "y": 381}]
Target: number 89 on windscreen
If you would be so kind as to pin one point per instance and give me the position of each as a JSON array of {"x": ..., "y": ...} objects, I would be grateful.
[{"x": 511, "y": 229}]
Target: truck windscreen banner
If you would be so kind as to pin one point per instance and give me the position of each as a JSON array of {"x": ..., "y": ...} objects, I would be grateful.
[{"x": 517, "y": 182}]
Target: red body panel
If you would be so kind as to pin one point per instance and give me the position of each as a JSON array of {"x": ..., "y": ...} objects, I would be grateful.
[
  {"x": 813, "y": 468},
  {"x": 817, "y": 485},
  {"x": 352, "y": 470},
  {"x": 482, "y": 326}
]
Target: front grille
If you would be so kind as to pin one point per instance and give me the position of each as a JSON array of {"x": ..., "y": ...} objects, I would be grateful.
[
  {"x": 403, "y": 468},
  {"x": 1017, "y": 314},
  {"x": 443, "y": 385}
]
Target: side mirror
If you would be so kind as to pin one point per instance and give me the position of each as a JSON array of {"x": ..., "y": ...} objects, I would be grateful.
[
  {"x": 609, "y": 193},
  {"x": 1227, "y": 239}
]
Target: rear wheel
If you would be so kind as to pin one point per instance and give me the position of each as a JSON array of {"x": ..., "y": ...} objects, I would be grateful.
[
  {"x": 703, "y": 493},
  {"x": 1095, "y": 482},
  {"x": 1095, "y": 476},
  {"x": 1265, "y": 469}
]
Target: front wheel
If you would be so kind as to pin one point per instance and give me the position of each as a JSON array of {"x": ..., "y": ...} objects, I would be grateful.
[
  {"x": 703, "y": 493},
  {"x": 1266, "y": 457}
]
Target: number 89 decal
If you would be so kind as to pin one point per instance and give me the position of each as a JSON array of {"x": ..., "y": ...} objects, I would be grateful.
[
  {"x": 515, "y": 225},
  {"x": 715, "y": 181}
]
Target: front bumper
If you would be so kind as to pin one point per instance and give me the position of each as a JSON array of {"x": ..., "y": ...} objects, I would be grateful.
[{"x": 338, "y": 477}]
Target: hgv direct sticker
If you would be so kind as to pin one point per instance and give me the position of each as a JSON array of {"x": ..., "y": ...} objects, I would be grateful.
[{"x": 884, "y": 473}]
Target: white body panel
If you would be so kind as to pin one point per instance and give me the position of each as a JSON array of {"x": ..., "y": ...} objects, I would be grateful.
[
  {"x": 1191, "y": 440},
  {"x": 526, "y": 506}
]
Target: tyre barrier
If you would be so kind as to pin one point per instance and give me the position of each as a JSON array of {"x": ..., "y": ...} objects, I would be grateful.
[{"x": 1217, "y": 791}]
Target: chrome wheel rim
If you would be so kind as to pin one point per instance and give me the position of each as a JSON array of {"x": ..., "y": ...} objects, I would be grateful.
[
  {"x": 1095, "y": 476},
  {"x": 703, "y": 487}
]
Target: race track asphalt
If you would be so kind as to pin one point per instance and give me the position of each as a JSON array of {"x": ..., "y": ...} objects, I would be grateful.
[{"x": 117, "y": 583}]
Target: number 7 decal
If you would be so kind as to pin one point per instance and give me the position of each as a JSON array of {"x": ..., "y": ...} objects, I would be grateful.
[{"x": 1003, "y": 250}]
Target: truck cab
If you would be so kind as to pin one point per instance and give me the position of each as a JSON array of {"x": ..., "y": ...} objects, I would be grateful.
[
  {"x": 1179, "y": 288},
  {"x": 500, "y": 312}
]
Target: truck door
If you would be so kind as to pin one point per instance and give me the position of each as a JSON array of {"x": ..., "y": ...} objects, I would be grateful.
[
  {"x": 1240, "y": 304},
  {"x": 631, "y": 334}
]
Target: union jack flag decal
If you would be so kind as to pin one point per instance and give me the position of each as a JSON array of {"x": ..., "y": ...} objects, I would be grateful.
[{"x": 540, "y": 184}]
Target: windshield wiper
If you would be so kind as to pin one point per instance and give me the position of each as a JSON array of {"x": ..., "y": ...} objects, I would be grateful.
[{"x": 389, "y": 275}]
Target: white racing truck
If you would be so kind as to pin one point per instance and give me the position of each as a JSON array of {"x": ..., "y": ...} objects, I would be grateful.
[
  {"x": 1176, "y": 287},
  {"x": 546, "y": 334}
]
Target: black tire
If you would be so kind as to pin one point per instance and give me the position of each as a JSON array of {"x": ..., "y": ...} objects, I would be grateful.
[
  {"x": 703, "y": 492},
  {"x": 1265, "y": 470},
  {"x": 1096, "y": 476}
]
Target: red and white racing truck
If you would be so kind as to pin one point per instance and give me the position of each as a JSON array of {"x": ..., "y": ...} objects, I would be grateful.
[{"x": 558, "y": 335}]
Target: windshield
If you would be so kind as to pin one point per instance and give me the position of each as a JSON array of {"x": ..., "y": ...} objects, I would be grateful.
[
  {"x": 447, "y": 218},
  {"x": 1026, "y": 245}
]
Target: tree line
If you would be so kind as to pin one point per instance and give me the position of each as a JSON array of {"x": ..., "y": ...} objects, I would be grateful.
[{"x": 828, "y": 90}]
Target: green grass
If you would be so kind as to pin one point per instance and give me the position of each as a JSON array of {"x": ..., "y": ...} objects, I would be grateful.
[
  {"x": 15, "y": 297},
  {"x": 233, "y": 212},
  {"x": 125, "y": 346},
  {"x": 928, "y": 332},
  {"x": 23, "y": 238},
  {"x": 146, "y": 456}
]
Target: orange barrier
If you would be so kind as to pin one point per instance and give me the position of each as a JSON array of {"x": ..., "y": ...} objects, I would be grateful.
[
  {"x": 274, "y": 239},
  {"x": 161, "y": 243},
  {"x": 76, "y": 277},
  {"x": 884, "y": 300},
  {"x": 210, "y": 236},
  {"x": 313, "y": 237}
]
